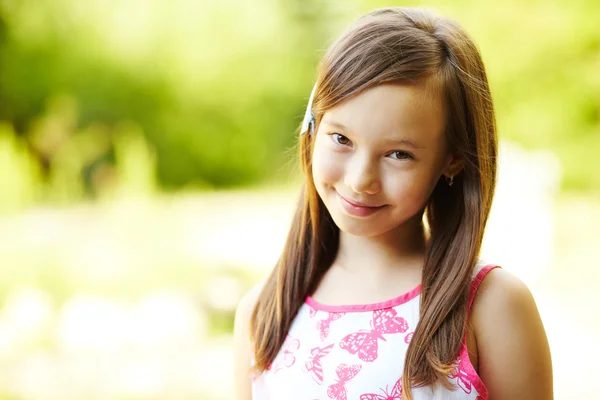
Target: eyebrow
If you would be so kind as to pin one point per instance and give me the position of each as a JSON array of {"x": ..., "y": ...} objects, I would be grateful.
[{"x": 405, "y": 142}]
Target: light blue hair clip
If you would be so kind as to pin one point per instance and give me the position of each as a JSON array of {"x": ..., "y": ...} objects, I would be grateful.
[{"x": 309, "y": 118}]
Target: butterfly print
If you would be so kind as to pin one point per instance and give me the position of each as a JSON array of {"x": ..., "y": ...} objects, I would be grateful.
[
  {"x": 313, "y": 365},
  {"x": 344, "y": 372},
  {"x": 365, "y": 342},
  {"x": 286, "y": 358},
  {"x": 395, "y": 394},
  {"x": 408, "y": 338},
  {"x": 463, "y": 379},
  {"x": 323, "y": 325}
]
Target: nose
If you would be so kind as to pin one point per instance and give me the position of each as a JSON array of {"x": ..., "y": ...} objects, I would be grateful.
[{"x": 362, "y": 176}]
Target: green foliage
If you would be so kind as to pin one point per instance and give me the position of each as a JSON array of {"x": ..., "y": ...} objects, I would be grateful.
[
  {"x": 19, "y": 173},
  {"x": 212, "y": 98}
]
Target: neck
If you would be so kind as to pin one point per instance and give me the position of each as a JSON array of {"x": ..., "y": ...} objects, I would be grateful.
[{"x": 400, "y": 249}]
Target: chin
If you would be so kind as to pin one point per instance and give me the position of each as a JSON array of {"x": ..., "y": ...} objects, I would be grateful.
[{"x": 362, "y": 231}]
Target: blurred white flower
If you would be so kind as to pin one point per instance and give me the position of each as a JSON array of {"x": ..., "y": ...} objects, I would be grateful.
[
  {"x": 26, "y": 317},
  {"x": 167, "y": 319},
  {"x": 92, "y": 323}
]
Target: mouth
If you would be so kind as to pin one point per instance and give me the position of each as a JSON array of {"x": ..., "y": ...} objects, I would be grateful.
[{"x": 358, "y": 209}]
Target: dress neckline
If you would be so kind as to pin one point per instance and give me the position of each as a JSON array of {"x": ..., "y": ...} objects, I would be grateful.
[{"x": 403, "y": 298}]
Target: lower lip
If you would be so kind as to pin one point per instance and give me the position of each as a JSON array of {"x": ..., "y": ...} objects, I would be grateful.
[{"x": 357, "y": 211}]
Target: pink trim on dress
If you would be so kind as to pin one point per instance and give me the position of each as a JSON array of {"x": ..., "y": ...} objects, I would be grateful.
[
  {"x": 467, "y": 366},
  {"x": 366, "y": 307},
  {"x": 477, "y": 281}
]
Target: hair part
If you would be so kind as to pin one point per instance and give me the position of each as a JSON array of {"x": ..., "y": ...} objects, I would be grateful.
[{"x": 398, "y": 45}]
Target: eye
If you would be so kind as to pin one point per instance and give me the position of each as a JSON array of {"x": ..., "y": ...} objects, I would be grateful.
[
  {"x": 401, "y": 155},
  {"x": 340, "y": 139}
]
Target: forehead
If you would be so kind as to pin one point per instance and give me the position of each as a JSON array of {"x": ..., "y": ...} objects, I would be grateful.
[{"x": 413, "y": 111}]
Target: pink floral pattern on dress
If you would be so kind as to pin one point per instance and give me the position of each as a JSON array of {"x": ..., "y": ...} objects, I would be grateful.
[
  {"x": 323, "y": 325},
  {"x": 358, "y": 357},
  {"x": 313, "y": 365},
  {"x": 345, "y": 373},
  {"x": 287, "y": 357},
  {"x": 365, "y": 342},
  {"x": 462, "y": 377},
  {"x": 395, "y": 394}
]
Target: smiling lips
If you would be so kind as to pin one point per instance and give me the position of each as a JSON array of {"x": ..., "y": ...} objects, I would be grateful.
[{"x": 358, "y": 209}]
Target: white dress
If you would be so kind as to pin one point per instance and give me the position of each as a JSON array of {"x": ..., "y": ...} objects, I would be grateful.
[{"x": 357, "y": 352}]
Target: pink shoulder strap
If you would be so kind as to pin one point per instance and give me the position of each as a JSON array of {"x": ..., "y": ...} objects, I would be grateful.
[
  {"x": 476, "y": 282},
  {"x": 467, "y": 367}
]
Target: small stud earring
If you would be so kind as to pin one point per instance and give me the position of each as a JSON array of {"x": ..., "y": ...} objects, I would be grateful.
[{"x": 450, "y": 180}]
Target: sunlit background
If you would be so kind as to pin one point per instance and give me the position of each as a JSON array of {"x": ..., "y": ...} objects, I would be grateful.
[{"x": 147, "y": 179}]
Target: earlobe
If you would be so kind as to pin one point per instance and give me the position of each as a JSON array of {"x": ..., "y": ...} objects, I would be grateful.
[
  {"x": 454, "y": 165},
  {"x": 453, "y": 168}
]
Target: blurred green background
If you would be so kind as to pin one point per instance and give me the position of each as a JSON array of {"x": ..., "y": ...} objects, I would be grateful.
[{"x": 148, "y": 176}]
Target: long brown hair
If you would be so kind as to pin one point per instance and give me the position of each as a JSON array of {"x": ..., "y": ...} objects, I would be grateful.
[{"x": 391, "y": 45}]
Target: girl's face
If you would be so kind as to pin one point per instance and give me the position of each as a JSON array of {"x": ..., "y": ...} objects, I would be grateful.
[{"x": 384, "y": 148}]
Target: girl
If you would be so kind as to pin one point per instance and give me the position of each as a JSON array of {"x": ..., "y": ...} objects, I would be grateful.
[{"x": 369, "y": 300}]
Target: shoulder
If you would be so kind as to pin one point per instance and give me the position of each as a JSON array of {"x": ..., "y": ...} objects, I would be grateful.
[
  {"x": 242, "y": 346},
  {"x": 503, "y": 294},
  {"x": 243, "y": 312},
  {"x": 246, "y": 305},
  {"x": 513, "y": 352}
]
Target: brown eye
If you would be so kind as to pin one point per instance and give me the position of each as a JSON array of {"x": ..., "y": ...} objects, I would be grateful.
[
  {"x": 340, "y": 139},
  {"x": 401, "y": 155}
]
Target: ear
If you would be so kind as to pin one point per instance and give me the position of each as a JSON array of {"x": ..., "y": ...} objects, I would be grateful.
[{"x": 454, "y": 164}]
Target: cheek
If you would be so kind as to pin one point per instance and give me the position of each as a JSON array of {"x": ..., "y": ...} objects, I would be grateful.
[
  {"x": 327, "y": 167},
  {"x": 410, "y": 188}
]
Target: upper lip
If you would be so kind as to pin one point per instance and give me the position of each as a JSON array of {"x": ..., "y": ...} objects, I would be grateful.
[{"x": 358, "y": 203}]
